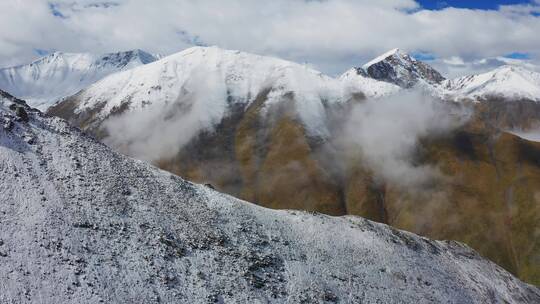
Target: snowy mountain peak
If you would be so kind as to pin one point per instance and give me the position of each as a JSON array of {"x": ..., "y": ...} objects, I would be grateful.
[
  {"x": 145, "y": 57},
  {"x": 57, "y": 75},
  {"x": 399, "y": 68},
  {"x": 509, "y": 69},
  {"x": 217, "y": 58},
  {"x": 122, "y": 59},
  {"x": 507, "y": 81},
  {"x": 392, "y": 53}
]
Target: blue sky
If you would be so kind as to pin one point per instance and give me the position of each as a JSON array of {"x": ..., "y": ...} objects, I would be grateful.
[{"x": 476, "y": 4}]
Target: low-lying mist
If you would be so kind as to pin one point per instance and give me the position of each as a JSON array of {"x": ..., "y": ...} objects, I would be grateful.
[
  {"x": 384, "y": 134},
  {"x": 160, "y": 130}
]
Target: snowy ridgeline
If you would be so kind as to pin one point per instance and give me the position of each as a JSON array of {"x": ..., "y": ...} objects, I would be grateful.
[
  {"x": 82, "y": 224},
  {"x": 225, "y": 74},
  {"x": 511, "y": 82},
  {"x": 58, "y": 75}
]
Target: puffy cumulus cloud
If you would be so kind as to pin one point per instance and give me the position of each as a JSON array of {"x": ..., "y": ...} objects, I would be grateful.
[{"x": 332, "y": 35}]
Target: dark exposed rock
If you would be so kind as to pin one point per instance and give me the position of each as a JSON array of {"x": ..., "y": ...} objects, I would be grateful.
[
  {"x": 401, "y": 69},
  {"x": 22, "y": 114}
]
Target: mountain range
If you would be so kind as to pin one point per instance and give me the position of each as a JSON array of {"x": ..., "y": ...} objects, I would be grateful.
[
  {"x": 53, "y": 77},
  {"x": 57, "y": 75},
  {"x": 81, "y": 223},
  {"x": 279, "y": 134},
  {"x": 511, "y": 82}
]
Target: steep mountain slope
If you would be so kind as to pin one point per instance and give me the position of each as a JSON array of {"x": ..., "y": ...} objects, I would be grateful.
[
  {"x": 399, "y": 68},
  {"x": 58, "y": 75},
  {"x": 508, "y": 82},
  {"x": 82, "y": 224},
  {"x": 487, "y": 197}
]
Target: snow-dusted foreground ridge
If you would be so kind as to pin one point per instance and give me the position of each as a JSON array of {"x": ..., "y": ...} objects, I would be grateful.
[{"x": 82, "y": 224}]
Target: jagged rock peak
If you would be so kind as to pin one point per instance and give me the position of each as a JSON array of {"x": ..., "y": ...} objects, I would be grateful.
[{"x": 398, "y": 67}]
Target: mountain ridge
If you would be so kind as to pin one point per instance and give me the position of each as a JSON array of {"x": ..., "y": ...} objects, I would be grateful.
[
  {"x": 507, "y": 81},
  {"x": 394, "y": 67},
  {"x": 57, "y": 75}
]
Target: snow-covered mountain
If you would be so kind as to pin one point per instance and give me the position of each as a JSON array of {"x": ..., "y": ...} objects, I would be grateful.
[
  {"x": 82, "y": 224},
  {"x": 212, "y": 80},
  {"x": 58, "y": 75},
  {"x": 506, "y": 82},
  {"x": 397, "y": 67},
  {"x": 48, "y": 79}
]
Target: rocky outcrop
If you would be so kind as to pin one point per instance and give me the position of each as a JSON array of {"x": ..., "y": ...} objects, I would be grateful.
[{"x": 401, "y": 69}]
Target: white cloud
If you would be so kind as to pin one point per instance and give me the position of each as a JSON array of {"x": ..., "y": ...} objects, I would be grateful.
[
  {"x": 386, "y": 132},
  {"x": 331, "y": 34},
  {"x": 454, "y": 60}
]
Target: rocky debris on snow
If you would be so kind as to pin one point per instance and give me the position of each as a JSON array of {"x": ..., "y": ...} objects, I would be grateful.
[
  {"x": 21, "y": 114},
  {"x": 7, "y": 123}
]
